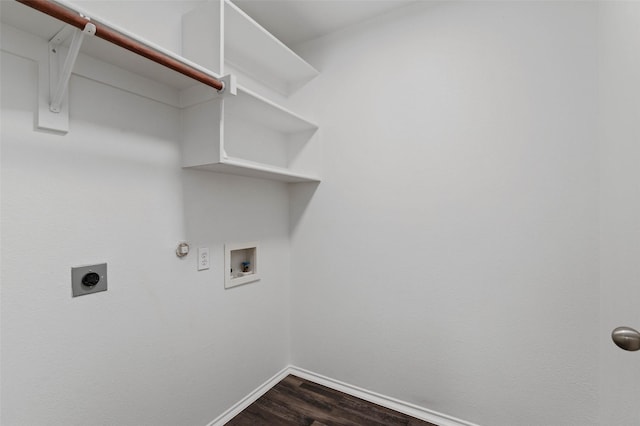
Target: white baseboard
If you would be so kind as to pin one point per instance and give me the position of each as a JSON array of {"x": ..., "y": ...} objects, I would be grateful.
[
  {"x": 249, "y": 399},
  {"x": 376, "y": 398}
]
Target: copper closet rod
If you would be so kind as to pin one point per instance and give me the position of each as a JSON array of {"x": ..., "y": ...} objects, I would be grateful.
[{"x": 110, "y": 35}]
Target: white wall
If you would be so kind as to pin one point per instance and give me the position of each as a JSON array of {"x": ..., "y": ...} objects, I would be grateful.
[
  {"x": 619, "y": 104},
  {"x": 449, "y": 258},
  {"x": 158, "y": 21},
  {"x": 165, "y": 345}
]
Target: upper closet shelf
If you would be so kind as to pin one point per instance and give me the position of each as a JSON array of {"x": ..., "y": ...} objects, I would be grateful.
[
  {"x": 251, "y": 49},
  {"x": 237, "y": 44}
]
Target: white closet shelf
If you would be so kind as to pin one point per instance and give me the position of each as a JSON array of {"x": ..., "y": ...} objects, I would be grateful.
[
  {"x": 222, "y": 37},
  {"x": 254, "y": 141},
  {"x": 237, "y": 166},
  {"x": 246, "y": 134},
  {"x": 251, "y": 49},
  {"x": 255, "y": 136},
  {"x": 257, "y": 109}
]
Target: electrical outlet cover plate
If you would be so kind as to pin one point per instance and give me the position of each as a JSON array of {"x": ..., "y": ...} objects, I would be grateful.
[
  {"x": 203, "y": 258},
  {"x": 77, "y": 273}
]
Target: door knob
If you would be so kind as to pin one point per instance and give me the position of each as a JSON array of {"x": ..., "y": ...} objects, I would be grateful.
[{"x": 626, "y": 338}]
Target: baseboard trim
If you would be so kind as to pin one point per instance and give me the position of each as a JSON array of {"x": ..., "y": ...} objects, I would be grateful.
[
  {"x": 250, "y": 399},
  {"x": 376, "y": 398}
]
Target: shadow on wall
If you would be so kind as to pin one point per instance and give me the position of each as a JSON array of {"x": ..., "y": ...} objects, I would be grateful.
[
  {"x": 228, "y": 208},
  {"x": 300, "y": 195}
]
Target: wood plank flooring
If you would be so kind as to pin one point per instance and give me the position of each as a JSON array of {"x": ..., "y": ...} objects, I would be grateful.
[{"x": 295, "y": 401}]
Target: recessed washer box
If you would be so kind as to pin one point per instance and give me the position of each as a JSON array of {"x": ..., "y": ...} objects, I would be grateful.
[{"x": 240, "y": 264}]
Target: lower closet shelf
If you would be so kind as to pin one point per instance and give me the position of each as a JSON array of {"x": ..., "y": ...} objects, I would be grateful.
[
  {"x": 241, "y": 167},
  {"x": 250, "y": 135}
]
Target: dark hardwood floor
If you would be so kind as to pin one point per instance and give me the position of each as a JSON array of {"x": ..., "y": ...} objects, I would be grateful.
[{"x": 295, "y": 401}]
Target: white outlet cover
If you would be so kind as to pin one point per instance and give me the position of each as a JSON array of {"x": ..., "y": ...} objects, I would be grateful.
[{"x": 203, "y": 258}]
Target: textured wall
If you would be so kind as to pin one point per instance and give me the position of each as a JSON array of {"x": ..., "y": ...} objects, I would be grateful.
[
  {"x": 449, "y": 258},
  {"x": 165, "y": 345}
]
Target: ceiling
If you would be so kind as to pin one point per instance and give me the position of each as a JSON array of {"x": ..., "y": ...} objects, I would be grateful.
[{"x": 297, "y": 21}]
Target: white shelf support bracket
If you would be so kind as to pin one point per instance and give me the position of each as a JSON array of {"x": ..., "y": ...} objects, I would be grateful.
[
  {"x": 199, "y": 93},
  {"x": 53, "y": 78},
  {"x": 229, "y": 85},
  {"x": 59, "y": 94}
]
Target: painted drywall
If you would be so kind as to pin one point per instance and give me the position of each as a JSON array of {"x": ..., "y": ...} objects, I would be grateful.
[
  {"x": 158, "y": 21},
  {"x": 165, "y": 345},
  {"x": 449, "y": 258},
  {"x": 619, "y": 104}
]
